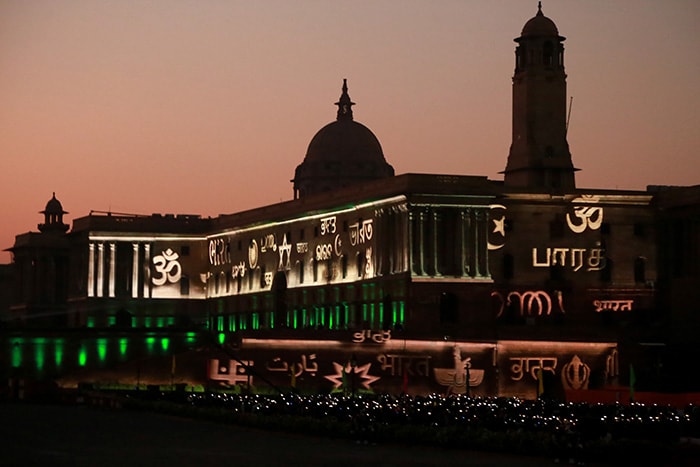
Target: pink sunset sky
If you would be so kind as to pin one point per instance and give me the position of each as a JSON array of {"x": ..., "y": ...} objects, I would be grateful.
[{"x": 207, "y": 106}]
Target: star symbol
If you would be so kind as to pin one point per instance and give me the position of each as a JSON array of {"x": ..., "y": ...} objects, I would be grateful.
[
  {"x": 284, "y": 249},
  {"x": 500, "y": 226}
]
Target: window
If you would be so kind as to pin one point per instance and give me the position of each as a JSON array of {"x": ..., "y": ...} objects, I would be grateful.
[
  {"x": 508, "y": 266},
  {"x": 640, "y": 270},
  {"x": 448, "y": 308},
  {"x": 606, "y": 272}
]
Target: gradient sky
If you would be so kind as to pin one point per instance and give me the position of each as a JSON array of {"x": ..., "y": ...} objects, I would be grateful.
[{"x": 207, "y": 106}]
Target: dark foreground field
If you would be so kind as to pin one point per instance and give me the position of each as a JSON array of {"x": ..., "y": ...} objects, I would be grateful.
[{"x": 55, "y": 435}]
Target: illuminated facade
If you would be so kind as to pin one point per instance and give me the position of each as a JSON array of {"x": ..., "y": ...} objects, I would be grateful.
[{"x": 366, "y": 280}]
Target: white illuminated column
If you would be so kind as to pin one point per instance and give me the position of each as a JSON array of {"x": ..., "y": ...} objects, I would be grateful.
[
  {"x": 146, "y": 270},
  {"x": 135, "y": 271},
  {"x": 100, "y": 269},
  {"x": 407, "y": 240},
  {"x": 91, "y": 271},
  {"x": 112, "y": 267}
]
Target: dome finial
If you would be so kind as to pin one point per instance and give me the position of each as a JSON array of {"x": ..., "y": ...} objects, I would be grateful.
[
  {"x": 539, "y": 9},
  {"x": 344, "y": 103}
]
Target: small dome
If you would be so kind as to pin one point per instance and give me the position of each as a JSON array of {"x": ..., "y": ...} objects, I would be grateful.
[
  {"x": 539, "y": 25},
  {"x": 54, "y": 206},
  {"x": 341, "y": 154},
  {"x": 53, "y": 217}
]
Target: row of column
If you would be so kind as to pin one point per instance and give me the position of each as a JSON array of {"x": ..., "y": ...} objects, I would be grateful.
[
  {"x": 102, "y": 269},
  {"x": 431, "y": 238}
]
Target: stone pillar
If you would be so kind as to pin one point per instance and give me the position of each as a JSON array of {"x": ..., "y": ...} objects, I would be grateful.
[
  {"x": 135, "y": 270},
  {"x": 91, "y": 271},
  {"x": 147, "y": 270},
  {"x": 112, "y": 268},
  {"x": 100, "y": 269}
]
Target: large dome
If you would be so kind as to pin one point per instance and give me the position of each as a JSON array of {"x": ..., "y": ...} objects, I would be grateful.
[
  {"x": 341, "y": 154},
  {"x": 344, "y": 140},
  {"x": 539, "y": 25}
]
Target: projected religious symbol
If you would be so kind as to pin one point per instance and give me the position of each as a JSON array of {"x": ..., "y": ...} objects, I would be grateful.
[
  {"x": 585, "y": 217},
  {"x": 284, "y": 250},
  {"x": 167, "y": 268},
  {"x": 457, "y": 377},
  {"x": 575, "y": 374},
  {"x": 359, "y": 373},
  {"x": 231, "y": 372},
  {"x": 497, "y": 235}
]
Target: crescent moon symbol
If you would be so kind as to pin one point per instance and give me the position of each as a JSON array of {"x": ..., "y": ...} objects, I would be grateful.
[{"x": 337, "y": 244}]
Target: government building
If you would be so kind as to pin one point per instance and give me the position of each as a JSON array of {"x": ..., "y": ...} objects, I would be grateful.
[{"x": 371, "y": 281}]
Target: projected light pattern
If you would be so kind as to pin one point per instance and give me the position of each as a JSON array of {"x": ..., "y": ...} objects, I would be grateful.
[
  {"x": 46, "y": 357},
  {"x": 58, "y": 352},
  {"x": 504, "y": 368}
]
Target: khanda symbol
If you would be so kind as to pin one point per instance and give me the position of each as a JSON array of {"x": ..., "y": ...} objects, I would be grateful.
[{"x": 575, "y": 374}]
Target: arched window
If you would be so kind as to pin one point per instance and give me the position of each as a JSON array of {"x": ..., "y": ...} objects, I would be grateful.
[
  {"x": 508, "y": 266},
  {"x": 521, "y": 57}
]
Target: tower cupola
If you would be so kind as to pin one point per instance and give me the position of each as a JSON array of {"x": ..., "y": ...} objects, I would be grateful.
[{"x": 53, "y": 217}]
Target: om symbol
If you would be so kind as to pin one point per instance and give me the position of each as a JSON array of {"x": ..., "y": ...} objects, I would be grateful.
[
  {"x": 168, "y": 268},
  {"x": 590, "y": 217}
]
